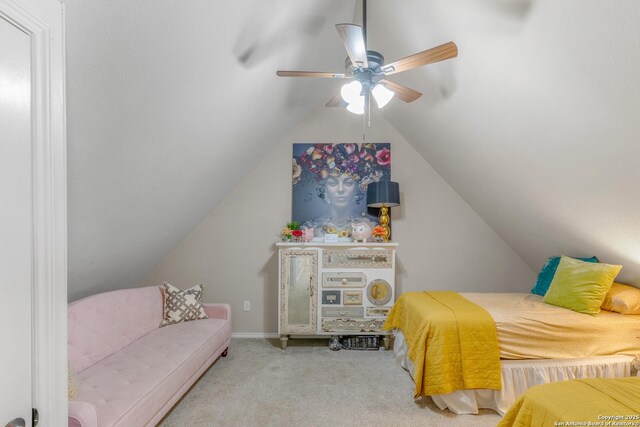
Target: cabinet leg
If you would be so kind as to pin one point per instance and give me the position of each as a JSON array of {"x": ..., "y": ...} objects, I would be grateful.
[
  {"x": 387, "y": 342},
  {"x": 283, "y": 341}
]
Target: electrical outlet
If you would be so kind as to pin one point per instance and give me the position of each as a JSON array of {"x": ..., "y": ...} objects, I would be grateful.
[{"x": 247, "y": 305}]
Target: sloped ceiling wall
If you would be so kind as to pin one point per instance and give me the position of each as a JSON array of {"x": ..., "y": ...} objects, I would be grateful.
[
  {"x": 536, "y": 123},
  {"x": 171, "y": 103}
]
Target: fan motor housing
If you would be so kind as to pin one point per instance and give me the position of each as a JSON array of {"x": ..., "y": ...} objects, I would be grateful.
[{"x": 375, "y": 61}]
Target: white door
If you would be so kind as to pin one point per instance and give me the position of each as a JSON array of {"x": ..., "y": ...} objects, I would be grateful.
[{"x": 16, "y": 236}]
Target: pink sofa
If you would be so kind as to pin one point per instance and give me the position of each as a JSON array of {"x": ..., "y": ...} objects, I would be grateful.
[{"x": 132, "y": 372}]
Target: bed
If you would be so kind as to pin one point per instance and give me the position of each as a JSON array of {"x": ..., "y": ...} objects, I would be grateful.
[
  {"x": 593, "y": 402},
  {"x": 536, "y": 343}
]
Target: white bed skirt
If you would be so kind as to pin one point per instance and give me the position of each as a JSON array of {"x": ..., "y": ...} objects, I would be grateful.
[{"x": 518, "y": 376}]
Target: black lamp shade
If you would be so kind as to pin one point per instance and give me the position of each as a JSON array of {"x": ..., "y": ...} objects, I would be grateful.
[{"x": 383, "y": 193}]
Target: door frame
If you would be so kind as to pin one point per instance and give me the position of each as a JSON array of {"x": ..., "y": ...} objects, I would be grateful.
[{"x": 43, "y": 20}]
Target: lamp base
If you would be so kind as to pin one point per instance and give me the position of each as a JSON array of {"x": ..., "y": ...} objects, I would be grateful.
[{"x": 383, "y": 219}]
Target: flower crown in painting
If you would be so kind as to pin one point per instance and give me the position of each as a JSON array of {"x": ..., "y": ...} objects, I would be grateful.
[{"x": 363, "y": 162}]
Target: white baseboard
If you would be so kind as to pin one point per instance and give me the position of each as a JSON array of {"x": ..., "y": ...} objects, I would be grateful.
[
  {"x": 267, "y": 335},
  {"x": 260, "y": 335}
]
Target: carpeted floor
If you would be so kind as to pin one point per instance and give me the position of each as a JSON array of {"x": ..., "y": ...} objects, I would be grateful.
[{"x": 259, "y": 384}]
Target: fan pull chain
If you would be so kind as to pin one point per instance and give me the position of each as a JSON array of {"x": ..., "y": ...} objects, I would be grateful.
[
  {"x": 369, "y": 109},
  {"x": 364, "y": 128},
  {"x": 366, "y": 117}
]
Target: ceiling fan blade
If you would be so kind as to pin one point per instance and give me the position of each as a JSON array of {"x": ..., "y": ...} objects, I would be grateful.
[
  {"x": 404, "y": 93},
  {"x": 310, "y": 74},
  {"x": 353, "y": 40},
  {"x": 336, "y": 101},
  {"x": 435, "y": 54}
]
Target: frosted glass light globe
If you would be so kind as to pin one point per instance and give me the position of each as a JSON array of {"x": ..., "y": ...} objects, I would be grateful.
[
  {"x": 382, "y": 95},
  {"x": 357, "y": 107},
  {"x": 351, "y": 92}
]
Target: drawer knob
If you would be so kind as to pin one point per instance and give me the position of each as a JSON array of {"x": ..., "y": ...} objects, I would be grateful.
[{"x": 344, "y": 281}]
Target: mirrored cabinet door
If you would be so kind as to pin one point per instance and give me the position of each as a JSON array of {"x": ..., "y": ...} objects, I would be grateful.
[{"x": 298, "y": 289}]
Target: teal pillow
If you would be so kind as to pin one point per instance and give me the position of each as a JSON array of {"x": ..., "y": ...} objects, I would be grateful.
[{"x": 548, "y": 271}]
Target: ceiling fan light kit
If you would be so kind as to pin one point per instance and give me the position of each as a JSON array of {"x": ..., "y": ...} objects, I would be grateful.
[
  {"x": 382, "y": 95},
  {"x": 356, "y": 107},
  {"x": 367, "y": 70},
  {"x": 352, "y": 94},
  {"x": 365, "y": 82}
]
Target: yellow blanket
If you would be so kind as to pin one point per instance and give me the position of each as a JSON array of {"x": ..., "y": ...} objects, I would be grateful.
[
  {"x": 452, "y": 342},
  {"x": 593, "y": 402}
]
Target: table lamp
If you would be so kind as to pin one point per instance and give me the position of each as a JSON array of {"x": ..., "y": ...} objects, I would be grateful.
[{"x": 383, "y": 195}]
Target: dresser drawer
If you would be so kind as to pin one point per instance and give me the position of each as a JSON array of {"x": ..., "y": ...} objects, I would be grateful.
[
  {"x": 342, "y": 311},
  {"x": 343, "y": 324},
  {"x": 344, "y": 280},
  {"x": 357, "y": 258}
]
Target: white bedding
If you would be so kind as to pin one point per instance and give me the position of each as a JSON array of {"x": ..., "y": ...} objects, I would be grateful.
[
  {"x": 529, "y": 329},
  {"x": 552, "y": 343},
  {"x": 518, "y": 376}
]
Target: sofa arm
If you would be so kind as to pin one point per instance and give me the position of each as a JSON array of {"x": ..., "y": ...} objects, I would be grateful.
[
  {"x": 82, "y": 414},
  {"x": 218, "y": 311}
]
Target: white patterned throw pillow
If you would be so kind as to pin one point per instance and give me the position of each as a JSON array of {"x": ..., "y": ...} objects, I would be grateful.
[{"x": 182, "y": 306}]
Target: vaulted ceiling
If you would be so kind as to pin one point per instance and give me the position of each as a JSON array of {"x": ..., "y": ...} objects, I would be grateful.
[
  {"x": 536, "y": 124},
  {"x": 170, "y": 104}
]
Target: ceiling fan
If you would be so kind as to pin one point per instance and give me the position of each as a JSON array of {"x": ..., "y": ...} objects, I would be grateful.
[{"x": 367, "y": 70}]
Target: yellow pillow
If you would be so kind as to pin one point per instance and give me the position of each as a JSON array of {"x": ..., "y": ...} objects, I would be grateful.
[
  {"x": 581, "y": 286},
  {"x": 623, "y": 299}
]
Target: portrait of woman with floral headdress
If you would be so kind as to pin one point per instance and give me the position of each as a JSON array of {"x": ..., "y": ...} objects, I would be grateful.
[{"x": 330, "y": 184}]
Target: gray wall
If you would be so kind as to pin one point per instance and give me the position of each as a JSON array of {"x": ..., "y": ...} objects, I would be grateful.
[{"x": 444, "y": 244}]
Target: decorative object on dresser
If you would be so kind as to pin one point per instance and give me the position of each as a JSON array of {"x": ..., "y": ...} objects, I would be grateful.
[
  {"x": 288, "y": 230},
  {"x": 307, "y": 234},
  {"x": 344, "y": 272},
  {"x": 330, "y": 238},
  {"x": 383, "y": 195},
  {"x": 360, "y": 231},
  {"x": 378, "y": 233}
]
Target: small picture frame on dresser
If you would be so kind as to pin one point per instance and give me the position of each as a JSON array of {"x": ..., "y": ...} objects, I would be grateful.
[
  {"x": 330, "y": 297},
  {"x": 352, "y": 297},
  {"x": 330, "y": 238}
]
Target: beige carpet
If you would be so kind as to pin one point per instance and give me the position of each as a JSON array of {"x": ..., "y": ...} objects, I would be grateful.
[{"x": 259, "y": 384}]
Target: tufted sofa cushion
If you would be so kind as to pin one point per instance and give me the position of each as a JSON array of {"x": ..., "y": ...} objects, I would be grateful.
[
  {"x": 129, "y": 386},
  {"x": 102, "y": 324}
]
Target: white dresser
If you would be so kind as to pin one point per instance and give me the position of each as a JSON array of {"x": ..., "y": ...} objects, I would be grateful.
[{"x": 335, "y": 289}]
